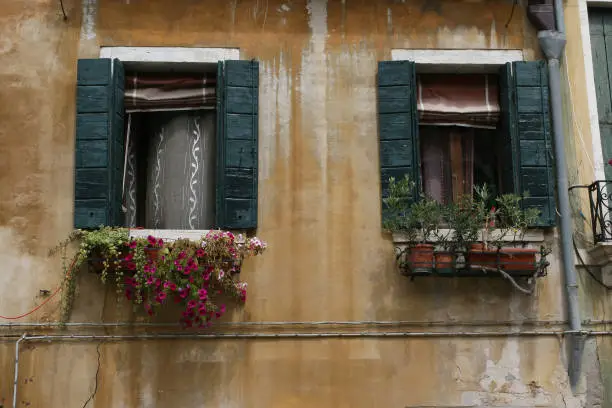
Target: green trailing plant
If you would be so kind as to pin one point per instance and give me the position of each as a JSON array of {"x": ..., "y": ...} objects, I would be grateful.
[{"x": 101, "y": 249}]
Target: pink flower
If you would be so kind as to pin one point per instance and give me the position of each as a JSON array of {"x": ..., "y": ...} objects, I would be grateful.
[
  {"x": 128, "y": 294},
  {"x": 203, "y": 294},
  {"x": 129, "y": 257},
  {"x": 158, "y": 282},
  {"x": 182, "y": 255},
  {"x": 131, "y": 266},
  {"x": 200, "y": 253},
  {"x": 222, "y": 309},
  {"x": 182, "y": 293},
  {"x": 160, "y": 242},
  {"x": 191, "y": 305},
  {"x": 150, "y": 280},
  {"x": 173, "y": 286},
  {"x": 151, "y": 240},
  {"x": 132, "y": 244}
]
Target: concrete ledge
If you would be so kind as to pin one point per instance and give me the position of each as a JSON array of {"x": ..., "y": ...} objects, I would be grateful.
[
  {"x": 170, "y": 54},
  {"x": 173, "y": 234},
  {"x": 531, "y": 236},
  {"x": 467, "y": 61}
]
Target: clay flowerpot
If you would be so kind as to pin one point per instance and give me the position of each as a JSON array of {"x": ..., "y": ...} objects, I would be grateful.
[
  {"x": 507, "y": 259},
  {"x": 479, "y": 256},
  {"x": 444, "y": 262},
  {"x": 420, "y": 258},
  {"x": 518, "y": 259},
  {"x": 152, "y": 254},
  {"x": 96, "y": 263}
]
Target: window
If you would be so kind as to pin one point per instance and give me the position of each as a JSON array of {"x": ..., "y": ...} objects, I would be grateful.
[
  {"x": 190, "y": 139},
  {"x": 446, "y": 150},
  {"x": 458, "y": 125}
]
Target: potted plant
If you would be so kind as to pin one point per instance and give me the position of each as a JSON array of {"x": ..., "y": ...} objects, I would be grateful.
[
  {"x": 498, "y": 222},
  {"x": 418, "y": 220}
]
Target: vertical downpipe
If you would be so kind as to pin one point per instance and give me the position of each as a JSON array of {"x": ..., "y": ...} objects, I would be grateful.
[{"x": 553, "y": 46}]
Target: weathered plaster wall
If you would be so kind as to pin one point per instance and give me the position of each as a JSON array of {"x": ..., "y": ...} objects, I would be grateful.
[{"x": 319, "y": 211}]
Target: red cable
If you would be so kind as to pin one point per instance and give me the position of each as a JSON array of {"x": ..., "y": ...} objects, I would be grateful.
[{"x": 43, "y": 303}]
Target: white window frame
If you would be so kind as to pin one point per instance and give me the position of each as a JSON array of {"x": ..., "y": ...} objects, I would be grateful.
[
  {"x": 190, "y": 55},
  {"x": 467, "y": 61},
  {"x": 598, "y": 160}
]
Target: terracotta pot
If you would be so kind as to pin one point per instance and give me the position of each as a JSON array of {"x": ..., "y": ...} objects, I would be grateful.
[
  {"x": 152, "y": 254},
  {"x": 508, "y": 259},
  {"x": 519, "y": 259},
  {"x": 96, "y": 263},
  {"x": 420, "y": 258},
  {"x": 444, "y": 262},
  {"x": 479, "y": 256}
]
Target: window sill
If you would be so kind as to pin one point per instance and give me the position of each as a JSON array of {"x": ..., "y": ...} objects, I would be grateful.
[
  {"x": 531, "y": 236},
  {"x": 174, "y": 234}
]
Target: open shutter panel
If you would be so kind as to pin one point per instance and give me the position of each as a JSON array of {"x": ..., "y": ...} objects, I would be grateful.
[
  {"x": 398, "y": 124},
  {"x": 238, "y": 95},
  {"x": 527, "y": 139},
  {"x": 99, "y": 144}
]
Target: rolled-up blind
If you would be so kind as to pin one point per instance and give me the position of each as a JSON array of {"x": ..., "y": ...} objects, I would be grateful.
[
  {"x": 458, "y": 100},
  {"x": 149, "y": 92}
]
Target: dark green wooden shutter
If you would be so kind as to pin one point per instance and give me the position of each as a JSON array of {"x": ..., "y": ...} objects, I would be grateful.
[
  {"x": 600, "y": 26},
  {"x": 238, "y": 96},
  {"x": 99, "y": 148},
  {"x": 398, "y": 124},
  {"x": 526, "y": 137}
]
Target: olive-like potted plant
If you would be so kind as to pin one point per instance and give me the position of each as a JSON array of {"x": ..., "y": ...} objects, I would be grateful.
[
  {"x": 499, "y": 223},
  {"x": 419, "y": 220}
]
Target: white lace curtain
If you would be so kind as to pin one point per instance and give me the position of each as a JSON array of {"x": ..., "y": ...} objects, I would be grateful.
[{"x": 170, "y": 170}]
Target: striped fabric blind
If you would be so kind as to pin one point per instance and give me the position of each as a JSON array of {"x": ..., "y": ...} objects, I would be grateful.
[
  {"x": 467, "y": 100},
  {"x": 149, "y": 92}
]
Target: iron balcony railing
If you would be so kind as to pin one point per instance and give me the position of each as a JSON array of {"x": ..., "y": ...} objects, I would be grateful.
[{"x": 600, "y": 197}]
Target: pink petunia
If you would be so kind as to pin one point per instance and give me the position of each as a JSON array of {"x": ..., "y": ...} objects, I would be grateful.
[
  {"x": 200, "y": 253},
  {"x": 202, "y": 294},
  {"x": 129, "y": 257},
  {"x": 150, "y": 280},
  {"x": 131, "y": 266},
  {"x": 132, "y": 244},
  {"x": 173, "y": 286},
  {"x": 182, "y": 293}
]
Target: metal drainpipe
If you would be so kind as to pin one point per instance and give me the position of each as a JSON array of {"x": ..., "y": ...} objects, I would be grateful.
[
  {"x": 22, "y": 338},
  {"x": 553, "y": 46}
]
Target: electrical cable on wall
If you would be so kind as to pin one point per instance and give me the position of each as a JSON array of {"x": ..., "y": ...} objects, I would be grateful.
[
  {"x": 63, "y": 10},
  {"x": 511, "y": 13}
]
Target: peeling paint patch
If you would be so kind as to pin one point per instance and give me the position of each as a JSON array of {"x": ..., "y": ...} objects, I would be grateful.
[
  {"x": 88, "y": 25},
  {"x": 461, "y": 37},
  {"x": 313, "y": 83}
]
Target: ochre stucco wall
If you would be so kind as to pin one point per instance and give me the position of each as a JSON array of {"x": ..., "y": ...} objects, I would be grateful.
[{"x": 319, "y": 210}]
